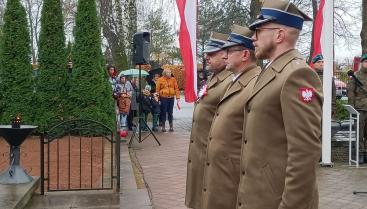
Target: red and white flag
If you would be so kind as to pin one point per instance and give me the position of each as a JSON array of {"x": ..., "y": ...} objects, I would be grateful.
[
  {"x": 187, "y": 38},
  {"x": 317, "y": 31}
]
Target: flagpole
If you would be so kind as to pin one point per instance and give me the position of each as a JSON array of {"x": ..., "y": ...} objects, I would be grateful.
[{"x": 328, "y": 51}]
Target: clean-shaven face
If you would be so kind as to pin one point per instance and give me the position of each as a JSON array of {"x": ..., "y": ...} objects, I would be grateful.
[{"x": 214, "y": 61}]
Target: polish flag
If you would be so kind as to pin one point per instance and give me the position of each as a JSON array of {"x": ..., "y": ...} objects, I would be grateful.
[
  {"x": 187, "y": 38},
  {"x": 317, "y": 33}
]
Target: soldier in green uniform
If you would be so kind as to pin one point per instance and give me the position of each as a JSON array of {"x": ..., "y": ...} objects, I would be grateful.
[
  {"x": 357, "y": 97},
  {"x": 318, "y": 66}
]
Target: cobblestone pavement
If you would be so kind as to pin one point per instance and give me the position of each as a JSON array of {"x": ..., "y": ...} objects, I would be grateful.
[{"x": 164, "y": 170}]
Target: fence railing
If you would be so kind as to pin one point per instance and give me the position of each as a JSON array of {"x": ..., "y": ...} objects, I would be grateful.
[{"x": 79, "y": 155}]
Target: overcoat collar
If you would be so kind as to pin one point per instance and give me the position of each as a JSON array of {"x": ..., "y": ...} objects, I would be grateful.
[
  {"x": 268, "y": 74},
  {"x": 242, "y": 81},
  {"x": 218, "y": 78}
]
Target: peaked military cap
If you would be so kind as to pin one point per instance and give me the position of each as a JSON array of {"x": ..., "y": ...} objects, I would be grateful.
[
  {"x": 363, "y": 57},
  {"x": 282, "y": 12},
  {"x": 240, "y": 36},
  {"x": 216, "y": 42},
  {"x": 317, "y": 58}
]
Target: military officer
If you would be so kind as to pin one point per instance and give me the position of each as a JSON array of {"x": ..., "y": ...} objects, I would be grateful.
[
  {"x": 222, "y": 169},
  {"x": 318, "y": 66},
  {"x": 281, "y": 142},
  {"x": 357, "y": 97},
  {"x": 208, "y": 98}
]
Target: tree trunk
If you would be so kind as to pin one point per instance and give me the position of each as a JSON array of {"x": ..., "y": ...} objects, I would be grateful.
[
  {"x": 255, "y": 8},
  {"x": 131, "y": 27},
  {"x": 122, "y": 59},
  {"x": 30, "y": 18},
  {"x": 314, "y": 13},
  {"x": 109, "y": 26},
  {"x": 364, "y": 27}
]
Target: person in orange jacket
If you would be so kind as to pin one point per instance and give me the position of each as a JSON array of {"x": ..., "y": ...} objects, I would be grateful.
[{"x": 167, "y": 89}]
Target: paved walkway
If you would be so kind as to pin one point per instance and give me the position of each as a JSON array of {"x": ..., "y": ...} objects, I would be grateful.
[
  {"x": 164, "y": 170},
  {"x": 164, "y": 166}
]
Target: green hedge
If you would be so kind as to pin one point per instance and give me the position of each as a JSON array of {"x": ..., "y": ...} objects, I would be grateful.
[
  {"x": 90, "y": 92},
  {"x": 52, "y": 77},
  {"x": 16, "y": 84},
  {"x": 341, "y": 112}
]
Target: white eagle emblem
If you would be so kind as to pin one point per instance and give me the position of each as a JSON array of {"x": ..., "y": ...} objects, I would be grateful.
[
  {"x": 203, "y": 91},
  {"x": 307, "y": 94}
]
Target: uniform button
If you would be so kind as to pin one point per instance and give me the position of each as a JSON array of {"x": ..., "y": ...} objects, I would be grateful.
[
  {"x": 210, "y": 138},
  {"x": 217, "y": 113},
  {"x": 192, "y": 141},
  {"x": 207, "y": 164},
  {"x": 245, "y": 141},
  {"x": 189, "y": 161},
  {"x": 243, "y": 172},
  {"x": 204, "y": 189},
  {"x": 239, "y": 203}
]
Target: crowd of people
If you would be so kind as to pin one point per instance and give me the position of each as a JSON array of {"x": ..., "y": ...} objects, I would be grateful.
[{"x": 157, "y": 99}]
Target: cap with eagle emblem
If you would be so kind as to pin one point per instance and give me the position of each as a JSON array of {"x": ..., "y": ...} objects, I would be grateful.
[
  {"x": 240, "y": 36},
  {"x": 282, "y": 12},
  {"x": 215, "y": 43}
]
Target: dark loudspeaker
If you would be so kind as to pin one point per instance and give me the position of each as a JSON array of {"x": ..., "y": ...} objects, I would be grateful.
[{"x": 141, "y": 51}]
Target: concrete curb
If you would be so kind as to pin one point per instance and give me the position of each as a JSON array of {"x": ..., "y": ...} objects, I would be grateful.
[
  {"x": 130, "y": 196},
  {"x": 17, "y": 196}
]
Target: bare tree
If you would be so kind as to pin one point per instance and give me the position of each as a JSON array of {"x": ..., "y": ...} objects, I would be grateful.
[
  {"x": 255, "y": 7},
  {"x": 132, "y": 27},
  {"x": 69, "y": 11},
  {"x": 33, "y": 8},
  {"x": 113, "y": 31},
  {"x": 364, "y": 27},
  {"x": 2, "y": 9},
  {"x": 345, "y": 18}
]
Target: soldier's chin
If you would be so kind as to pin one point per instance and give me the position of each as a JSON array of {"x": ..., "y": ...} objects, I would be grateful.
[
  {"x": 259, "y": 54},
  {"x": 228, "y": 67}
]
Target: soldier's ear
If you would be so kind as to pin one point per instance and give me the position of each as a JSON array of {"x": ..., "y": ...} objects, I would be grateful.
[
  {"x": 246, "y": 55},
  {"x": 280, "y": 35}
]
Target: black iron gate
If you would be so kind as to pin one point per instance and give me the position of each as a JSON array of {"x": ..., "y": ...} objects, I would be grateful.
[{"x": 80, "y": 155}]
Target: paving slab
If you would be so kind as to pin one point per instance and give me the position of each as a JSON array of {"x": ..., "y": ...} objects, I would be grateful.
[{"x": 16, "y": 196}]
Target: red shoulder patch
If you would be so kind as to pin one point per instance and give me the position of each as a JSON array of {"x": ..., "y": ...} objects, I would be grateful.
[{"x": 307, "y": 95}]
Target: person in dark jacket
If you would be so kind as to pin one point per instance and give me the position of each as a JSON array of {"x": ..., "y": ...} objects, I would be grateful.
[
  {"x": 146, "y": 104},
  {"x": 156, "y": 110}
]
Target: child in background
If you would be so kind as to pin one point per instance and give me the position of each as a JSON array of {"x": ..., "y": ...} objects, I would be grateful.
[
  {"x": 124, "y": 99},
  {"x": 124, "y": 102},
  {"x": 146, "y": 104},
  {"x": 156, "y": 110}
]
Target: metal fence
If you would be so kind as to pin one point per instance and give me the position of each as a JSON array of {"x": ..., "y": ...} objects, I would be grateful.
[
  {"x": 342, "y": 76},
  {"x": 79, "y": 155}
]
